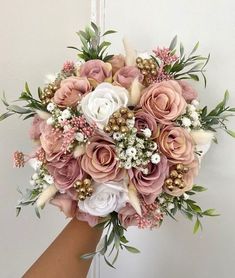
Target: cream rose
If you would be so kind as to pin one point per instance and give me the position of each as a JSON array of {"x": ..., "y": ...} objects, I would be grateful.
[
  {"x": 100, "y": 104},
  {"x": 106, "y": 198}
]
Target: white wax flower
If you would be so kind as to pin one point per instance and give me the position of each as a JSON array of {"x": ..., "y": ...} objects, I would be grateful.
[
  {"x": 155, "y": 158},
  {"x": 106, "y": 198},
  {"x": 170, "y": 206},
  {"x": 131, "y": 152},
  {"x": 60, "y": 119},
  {"x": 79, "y": 136},
  {"x": 186, "y": 122},
  {"x": 117, "y": 136},
  {"x": 147, "y": 132},
  {"x": 191, "y": 108},
  {"x": 34, "y": 163},
  {"x": 50, "y": 121},
  {"x": 50, "y": 107},
  {"x": 35, "y": 176},
  {"x": 194, "y": 115},
  {"x": 195, "y": 102},
  {"x": 100, "y": 104},
  {"x": 66, "y": 114}
]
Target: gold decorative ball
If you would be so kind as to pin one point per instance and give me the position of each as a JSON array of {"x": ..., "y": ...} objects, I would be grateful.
[
  {"x": 170, "y": 187},
  {"x": 130, "y": 115},
  {"x": 186, "y": 169},
  {"x": 180, "y": 176},
  {"x": 107, "y": 129},
  {"x": 112, "y": 120},
  {"x": 115, "y": 128},
  {"x": 123, "y": 110},
  {"x": 116, "y": 114},
  {"x": 140, "y": 66},
  {"x": 82, "y": 190},
  {"x": 124, "y": 129},
  {"x": 180, "y": 167},
  {"x": 90, "y": 190},
  {"x": 81, "y": 197},
  {"x": 173, "y": 174},
  {"x": 139, "y": 60},
  {"x": 177, "y": 182},
  {"x": 87, "y": 182},
  {"x": 168, "y": 182},
  {"x": 153, "y": 72},
  {"x": 182, "y": 185},
  {"x": 121, "y": 121}
]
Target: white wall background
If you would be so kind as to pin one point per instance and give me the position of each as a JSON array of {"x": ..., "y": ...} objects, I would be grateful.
[
  {"x": 33, "y": 40},
  {"x": 34, "y": 36}
]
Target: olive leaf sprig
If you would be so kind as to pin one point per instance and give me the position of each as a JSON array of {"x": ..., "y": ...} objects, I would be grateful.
[
  {"x": 28, "y": 110},
  {"x": 114, "y": 238},
  {"x": 188, "y": 207},
  {"x": 217, "y": 117},
  {"x": 92, "y": 45},
  {"x": 187, "y": 66}
]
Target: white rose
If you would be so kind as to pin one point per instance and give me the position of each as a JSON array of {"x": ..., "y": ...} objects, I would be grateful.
[
  {"x": 106, "y": 198},
  {"x": 100, "y": 104}
]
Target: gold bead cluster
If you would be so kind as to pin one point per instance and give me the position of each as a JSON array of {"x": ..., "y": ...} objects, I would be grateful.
[
  {"x": 175, "y": 179},
  {"x": 83, "y": 188},
  {"x": 48, "y": 93},
  {"x": 118, "y": 121},
  {"x": 148, "y": 67}
]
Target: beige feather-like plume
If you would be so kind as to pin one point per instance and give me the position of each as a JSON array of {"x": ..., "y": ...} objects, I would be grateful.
[
  {"x": 135, "y": 93},
  {"x": 43, "y": 115},
  {"x": 131, "y": 53},
  {"x": 46, "y": 195},
  {"x": 79, "y": 150}
]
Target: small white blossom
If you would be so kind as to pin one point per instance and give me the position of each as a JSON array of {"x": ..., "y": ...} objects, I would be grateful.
[
  {"x": 170, "y": 206},
  {"x": 147, "y": 132},
  {"x": 153, "y": 146},
  {"x": 117, "y": 136},
  {"x": 196, "y": 123},
  {"x": 186, "y": 122},
  {"x": 191, "y": 108},
  {"x": 60, "y": 119},
  {"x": 50, "y": 121},
  {"x": 161, "y": 200},
  {"x": 127, "y": 165},
  {"x": 148, "y": 153},
  {"x": 186, "y": 196},
  {"x": 130, "y": 123},
  {"x": 50, "y": 107},
  {"x": 79, "y": 137},
  {"x": 155, "y": 158},
  {"x": 66, "y": 114},
  {"x": 49, "y": 179},
  {"x": 145, "y": 171},
  {"x": 35, "y": 176},
  {"x": 131, "y": 152},
  {"x": 195, "y": 102},
  {"x": 194, "y": 115}
]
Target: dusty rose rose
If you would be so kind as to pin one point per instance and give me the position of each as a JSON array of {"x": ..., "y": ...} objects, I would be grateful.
[
  {"x": 51, "y": 141},
  {"x": 126, "y": 75},
  {"x": 150, "y": 185},
  {"x": 70, "y": 91},
  {"x": 100, "y": 160},
  {"x": 35, "y": 131},
  {"x": 117, "y": 62},
  {"x": 65, "y": 204},
  {"x": 188, "y": 91},
  {"x": 96, "y": 71},
  {"x": 90, "y": 219},
  {"x": 144, "y": 120},
  {"x": 176, "y": 144},
  {"x": 164, "y": 101},
  {"x": 188, "y": 179},
  {"x": 127, "y": 216},
  {"x": 66, "y": 171}
]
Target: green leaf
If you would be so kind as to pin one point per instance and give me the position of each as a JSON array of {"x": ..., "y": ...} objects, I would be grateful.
[
  {"x": 194, "y": 49},
  {"x": 108, "y": 263},
  {"x": 196, "y": 208},
  {"x": 73, "y": 47},
  {"x": 27, "y": 88},
  {"x": 199, "y": 188},
  {"x": 132, "y": 249},
  {"x": 181, "y": 50},
  {"x": 109, "y": 32},
  {"x": 3, "y": 99},
  {"x": 5, "y": 115},
  {"x": 95, "y": 28},
  {"x": 231, "y": 110},
  {"x": 37, "y": 212},
  {"x": 173, "y": 43},
  {"x": 210, "y": 212},
  {"x": 18, "y": 210},
  {"x": 196, "y": 226},
  {"x": 194, "y": 77},
  {"x": 230, "y": 132}
]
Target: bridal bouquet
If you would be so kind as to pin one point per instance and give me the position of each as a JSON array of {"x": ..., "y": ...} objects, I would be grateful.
[{"x": 119, "y": 139}]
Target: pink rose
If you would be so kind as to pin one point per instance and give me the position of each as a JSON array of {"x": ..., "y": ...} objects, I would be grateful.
[
  {"x": 125, "y": 76},
  {"x": 90, "y": 219},
  {"x": 176, "y": 144},
  {"x": 164, "y": 101},
  {"x": 100, "y": 162},
  {"x": 128, "y": 216},
  {"x": 96, "y": 71},
  {"x": 35, "y": 131},
  {"x": 150, "y": 185},
  {"x": 70, "y": 91},
  {"x": 188, "y": 179},
  {"x": 51, "y": 140},
  {"x": 117, "y": 62},
  {"x": 66, "y": 171},
  {"x": 65, "y": 204},
  {"x": 188, "y": 91},
  {"x": 144, "y": 120}
]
